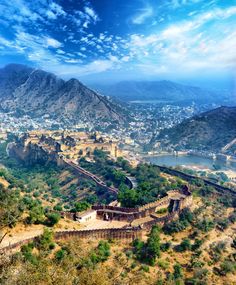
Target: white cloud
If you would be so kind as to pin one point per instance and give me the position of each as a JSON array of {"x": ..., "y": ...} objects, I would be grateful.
[
  {"x": 94, "y": 67},
  {"x": 50, "y": 42},
  {"x": 144, "y": 14},
  {"x": 54, "y": 11},
  {"x": 85, "y": 24},
  {"x": 174, "y": 4},
  {"x": 71, "y": 60},
  {"x": 141, "y": 41},
  {"x": 59, "y": 51},
  {"x": 89, "y": 11},
  {"x": 125, "y": 58}
]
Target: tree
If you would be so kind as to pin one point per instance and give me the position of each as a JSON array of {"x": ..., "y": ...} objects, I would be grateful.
[
  {"x": 11, "y": 209},
  {"x": 205, "y": 225},
  {"x": 127, "y": 197},
  {"x": 52, "y": 219},
  {"x": 227, "y": 267},
  {"x": 36, "y": 215},
  {"x": 58, "y": 207},
  {"x": 184, "y": 245},
  {"x": 102, "y": 252},
  {"x": 81, "y": 206},
  {"x": 152, "y": 250},
  {"x": 45, "y": 240},
  {"x": 178, "y": 272}
]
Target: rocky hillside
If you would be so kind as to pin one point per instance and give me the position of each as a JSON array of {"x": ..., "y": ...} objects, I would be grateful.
[
  {"x": 211, "y": 130},
  {"x": 163, "y": 91},
  {"x": 36, "y": 92}
]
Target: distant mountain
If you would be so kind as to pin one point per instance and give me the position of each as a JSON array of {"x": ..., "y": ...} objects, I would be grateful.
[
  {"x": 36, "y": 92},
  {"x": 211, "y": 130},
  {"x": 165, "y": 91}
]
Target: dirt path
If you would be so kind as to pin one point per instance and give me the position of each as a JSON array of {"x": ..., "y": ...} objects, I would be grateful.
[
  {"x": 22, "y": 232},
  {"x": 14, "y": 237}
]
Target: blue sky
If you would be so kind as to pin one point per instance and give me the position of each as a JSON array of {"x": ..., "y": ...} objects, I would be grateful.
[{"x": 121, "y": 39}]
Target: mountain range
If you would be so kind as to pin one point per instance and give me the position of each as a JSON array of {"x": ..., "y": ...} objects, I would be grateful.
[
  {"x": 164, "y": 91},
  {"x": 36, "y": 92},
  {"x": 210, "y": 130}
]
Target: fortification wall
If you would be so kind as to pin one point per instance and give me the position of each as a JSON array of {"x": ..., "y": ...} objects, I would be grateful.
[
  {"x": 125, "y": 234},
  {"x": 114, "y": 233},
  {"x": 190, "y": 178}
]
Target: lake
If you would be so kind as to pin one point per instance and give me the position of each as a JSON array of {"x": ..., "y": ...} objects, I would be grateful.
[{"x": 189, "y": 160}]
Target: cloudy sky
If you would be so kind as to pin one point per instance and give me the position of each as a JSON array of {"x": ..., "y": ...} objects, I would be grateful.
[{"x": 121, "y": 39}]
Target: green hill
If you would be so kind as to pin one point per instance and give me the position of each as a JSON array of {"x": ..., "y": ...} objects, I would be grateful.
[{"x": 211, "y": 130}]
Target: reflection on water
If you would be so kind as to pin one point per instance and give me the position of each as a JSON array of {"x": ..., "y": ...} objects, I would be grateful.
[{"x": 190, "y": 160}]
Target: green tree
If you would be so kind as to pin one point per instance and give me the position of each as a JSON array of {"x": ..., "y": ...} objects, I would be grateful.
[
  {"x": 178, "y": 272},
  {"x": 36, "y": 215},
  {"x": 127, "y": 197},
  {"x": 52, "y": 219},
  {"x": 81, "y": 206},
  {"x": 153, "y": 245},
  {"x": 184, "y": 245},
  {"x": 45, "y": 241}
]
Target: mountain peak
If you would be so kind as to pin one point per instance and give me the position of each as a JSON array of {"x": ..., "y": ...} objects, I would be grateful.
[{"x": 39, "y": 92}]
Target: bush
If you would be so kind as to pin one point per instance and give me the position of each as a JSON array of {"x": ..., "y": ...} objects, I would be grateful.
[
  {"x": 197, "y": 244},
  {"x": 184, "y": 245},
  {"x": 46, "y": 240},
  {"x": 162, "y": 211},
  {"x": 205, "y": 225},
  {"x": 58, "y": 207},
  {"x": 163, "y": 264},
  {"x": 81, "y": 206},
  {"x": 36, "y": 215},
  {"x": 36, "y": 194},
  {"x": 165, "y": 246},
  {"x": 177, "y": 271},
  {"x": 52, "y": 219},
  {"x": 227, "y": 267},
  {"x": 60, "y": 254},
  {"x": 223, "y": 224},
  {"x": 149, "y": 251},
  {"x": 145, "y": 268},
  {"x": 102, "y": 252},
  {"x": 27, "y": 253}
]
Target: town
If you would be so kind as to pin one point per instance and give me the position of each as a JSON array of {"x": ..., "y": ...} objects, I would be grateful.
[{"x": 147, "y": 119}]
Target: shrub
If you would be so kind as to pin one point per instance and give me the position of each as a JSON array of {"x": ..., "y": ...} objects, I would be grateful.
[
  {"x": 45, "y": 241},
  {"x": 58, "y": 207},
  {"x": 178, "y": 273},
  {"x": 145, "y": 268},
  {"x": 101, "y": 253},
  {"x": 163, "y": 264},
  {"x": 227, "y": 267},
  {"x": 60, "y": 254},
  {"x": 197, "y": 244},
  {"x": 165, "y": 246},
  {"x": 149, "y": 251},
  {"x": 162, "y": 211},
  {"x": 205, "y": 225},
  {"x": 27, "y": 253},
  {"x": 52, "y": 219},
  {"x": 81, "y": 206},
  {"x": 36, "y": 194},
  {"x": 184, "y": 245},
  {"x": 36, "y": 215}
]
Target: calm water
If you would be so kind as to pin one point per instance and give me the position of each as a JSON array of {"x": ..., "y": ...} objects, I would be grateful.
[{"x": 189, "y": 160}]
